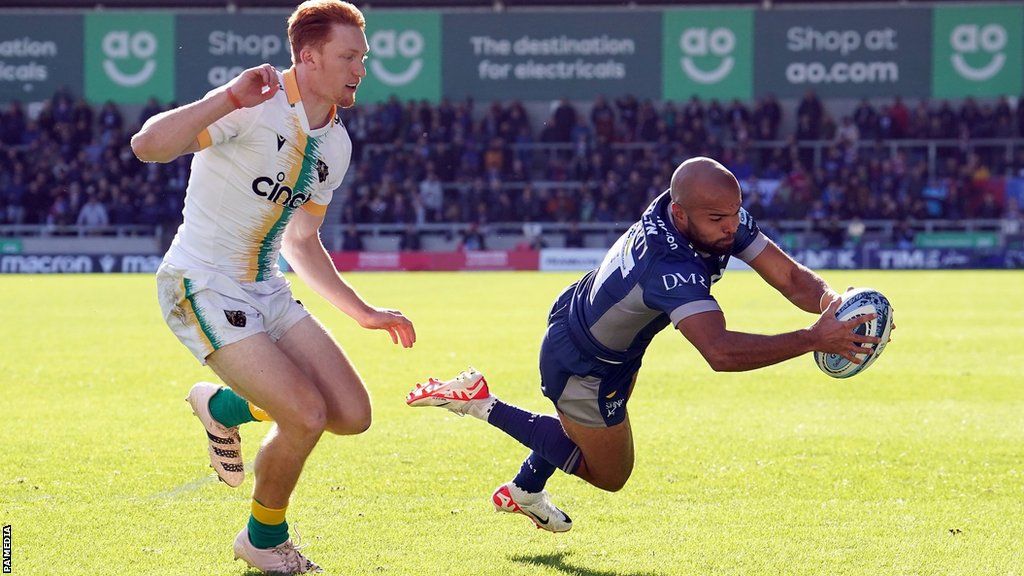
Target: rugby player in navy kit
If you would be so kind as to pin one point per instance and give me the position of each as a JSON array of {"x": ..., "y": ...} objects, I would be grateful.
[{"x": 658, "y": 273}]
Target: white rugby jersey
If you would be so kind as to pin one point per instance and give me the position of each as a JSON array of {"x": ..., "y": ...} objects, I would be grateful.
[{"x": 256, "y": 167}]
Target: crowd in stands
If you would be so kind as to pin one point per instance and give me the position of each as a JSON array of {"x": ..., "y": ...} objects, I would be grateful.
[
  {"x": 415, "y": 162},
  {"x": 73, "y": 165},
  {"x": 418, "y": 162}
]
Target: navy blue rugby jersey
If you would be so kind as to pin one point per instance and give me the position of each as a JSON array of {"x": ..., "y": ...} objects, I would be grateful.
[{"x": 650, "y": 278}]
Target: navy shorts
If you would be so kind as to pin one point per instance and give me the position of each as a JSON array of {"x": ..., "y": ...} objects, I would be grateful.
[{"x": 587, "y": 390}]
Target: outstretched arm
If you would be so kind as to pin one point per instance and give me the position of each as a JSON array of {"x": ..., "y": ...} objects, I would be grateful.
[
  {"x": 801, "y": 285},
  {"x": 729, "y": 351},
  {"x": 170, "y": 134},
  {"x": 306, "y": 255}
]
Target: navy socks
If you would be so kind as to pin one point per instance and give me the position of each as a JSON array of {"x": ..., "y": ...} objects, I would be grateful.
[{"x": 542, "y": 434}]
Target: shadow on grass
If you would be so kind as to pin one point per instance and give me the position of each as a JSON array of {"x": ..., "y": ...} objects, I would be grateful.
[{"x": 557, "y": 561}]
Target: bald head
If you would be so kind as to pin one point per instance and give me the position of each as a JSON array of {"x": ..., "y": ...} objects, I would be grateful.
[
  {"x": 702, "y": 182},
  {"x": 706, "y": 204}
]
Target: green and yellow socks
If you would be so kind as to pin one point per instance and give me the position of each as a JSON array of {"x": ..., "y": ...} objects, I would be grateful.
[
  {"x": 230, "y": 409},
  {"x": 267, "y": 526}
]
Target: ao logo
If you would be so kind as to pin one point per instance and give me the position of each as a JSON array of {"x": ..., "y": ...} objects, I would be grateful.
[
  {"x": 388, "y": 44},
  {"x": 120, "y": 45},
  {"x": 973, "y": 38},
  {"x": 697, "y": 42}
]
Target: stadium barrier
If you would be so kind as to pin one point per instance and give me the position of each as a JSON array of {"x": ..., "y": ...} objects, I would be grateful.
[
  {"x": 437, "y": 261},
  {"x": 79, "y": 263},
  {"x": 548, "y": 259},
  {"x": 865, "y": 257}
]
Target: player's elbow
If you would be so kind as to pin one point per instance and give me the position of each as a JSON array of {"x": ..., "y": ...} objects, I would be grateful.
[
  {"x": 718, "y": 359},
  {"x": 719, "y": 365},
  {"x": 146, "y": 148}
]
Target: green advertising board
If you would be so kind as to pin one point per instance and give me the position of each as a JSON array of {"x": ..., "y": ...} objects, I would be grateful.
[
  {"x": 943, "y": 52},
  {"x": 956, "y": 240},
  {"x": 707, "y": 53},
  {"x": 38, "y": 55},
  {"x": 10, "y": 246},
  {"x": 843, "y": 52},
  {"x": 977, "y": 50},
  {"x": 405, "y": 57},
  {"x": 546, "y": 56},
  {"x": 129, "y": 56},
  {"x": 214, "y": 48}
]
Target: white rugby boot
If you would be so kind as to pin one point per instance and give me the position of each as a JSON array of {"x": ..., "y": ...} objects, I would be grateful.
[
  {"x": 536, "y": 506},
  {"x": 224, "y": 444},
  {"x": 457, "y": 395},
  {"x": 281, "y": 559}
]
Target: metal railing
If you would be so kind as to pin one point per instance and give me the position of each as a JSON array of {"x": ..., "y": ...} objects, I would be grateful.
[
  {"x": 792, "y": 234},
  {"x": 779, "y": 226},
  {"x": 376, "y": 229},
  {"x": 47, "y": 230}
]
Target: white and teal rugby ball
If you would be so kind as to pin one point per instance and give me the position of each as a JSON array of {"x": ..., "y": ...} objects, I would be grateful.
[{"x": 860, "y": 302}]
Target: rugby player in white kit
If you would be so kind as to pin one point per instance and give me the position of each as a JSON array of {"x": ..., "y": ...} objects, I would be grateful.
[{"x": 269, "y": 151}]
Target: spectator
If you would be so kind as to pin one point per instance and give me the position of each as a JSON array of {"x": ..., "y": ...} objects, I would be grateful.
[
  {"x": 352, "y": 241},
  {"x": 811, "y": 108},
  {"x": 150, "y": 213},
  {"x": 12, "y": 124},
  {"x": 110, "y": 118},
  {"x": 903, "y": 235},
  {"x": 472, "y": 239},
  {"x": 834, "y": 233},
  {"x": 152, "y": 108},
  {"x": 93, "y": 214},
  {"x": 410, "y": 240},
  {"x": 848, "y": 134},
  {"x": 900, "y": 116},
  {"x": 628, "y": 112},
  {"x": 573, "y": 236},
  {"x": 564, "y": 118},
  {"x": 121, "y": 209},
  {"x": 866, "y": 120}
]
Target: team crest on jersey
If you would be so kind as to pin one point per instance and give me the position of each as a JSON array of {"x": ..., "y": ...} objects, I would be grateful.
[{"x": 321, "y": 170}]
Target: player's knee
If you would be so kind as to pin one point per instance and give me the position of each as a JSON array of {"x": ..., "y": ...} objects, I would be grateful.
[
  {"x": 350, "y": 423},
  {"x": 313, "y": 422},
  {"x": 613, "y": 484},
  {"x": 309, "y": 420},
  {"x": 614, "y": 481}
]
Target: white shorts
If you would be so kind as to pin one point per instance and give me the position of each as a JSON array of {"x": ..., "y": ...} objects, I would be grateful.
[{"x": 207, "y": 310}]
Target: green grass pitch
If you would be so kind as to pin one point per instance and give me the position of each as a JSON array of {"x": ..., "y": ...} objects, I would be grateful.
[{"x": 913, "y": 467}]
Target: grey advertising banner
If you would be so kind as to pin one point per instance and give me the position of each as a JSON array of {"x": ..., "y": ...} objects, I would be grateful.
[
  {"x": 843, "y": 53},
  {"x": 214, "y": 48},
  {"x": 540, "y": 56},
  {"x": 39, "y": 54}
]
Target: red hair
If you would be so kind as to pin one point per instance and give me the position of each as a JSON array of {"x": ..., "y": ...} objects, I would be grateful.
[{"x": 310, "y": 25}]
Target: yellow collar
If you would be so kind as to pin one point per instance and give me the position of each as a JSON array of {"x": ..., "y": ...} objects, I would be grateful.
[{"x": 291, "y": 90}]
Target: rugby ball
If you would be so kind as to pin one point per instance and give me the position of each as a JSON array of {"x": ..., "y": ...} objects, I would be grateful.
[{"x": 860, "y": 302}]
